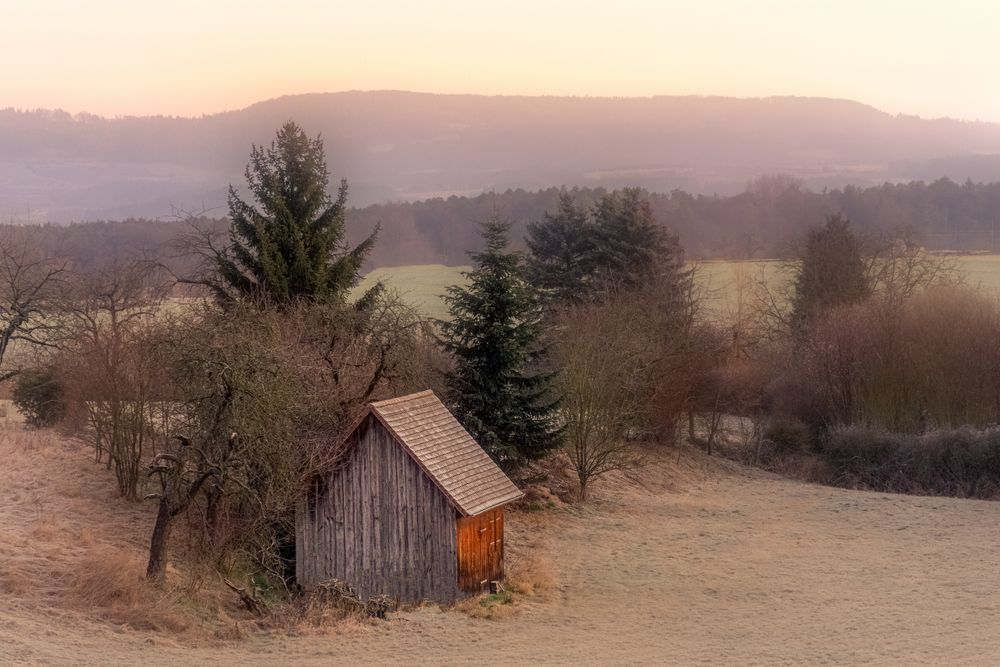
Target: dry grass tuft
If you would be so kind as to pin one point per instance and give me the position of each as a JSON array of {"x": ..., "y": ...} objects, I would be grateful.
[
  {"x": 494, "y": 607},
  {"x": 333, "y": 625},
  {"x": 230, "y": 632},
  {"x": 107, "y": 577},
  {"x": 109, "y": 584},
  {"x": 45, "y": 529},
  {"x": 531, "y": 574},
  {"x": 538, "y": 498},
  {"x": 331, "y": 608},
  {"x": 547, "y": 484},
  {"x": 14, "y": 581}
]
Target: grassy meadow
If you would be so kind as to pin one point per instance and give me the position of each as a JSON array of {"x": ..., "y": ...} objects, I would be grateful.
[{"x": 423, "y": 286}]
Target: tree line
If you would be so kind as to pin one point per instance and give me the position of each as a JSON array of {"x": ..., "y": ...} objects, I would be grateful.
[{"x": 757, "y": 223}]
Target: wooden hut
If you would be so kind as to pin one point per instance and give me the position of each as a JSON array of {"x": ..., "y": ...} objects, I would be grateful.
[{"x": 413, "y": 511}]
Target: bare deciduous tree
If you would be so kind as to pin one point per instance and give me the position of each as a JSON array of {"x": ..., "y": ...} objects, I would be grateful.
[
  {"x": 601, "y": 381},
  {"x": 181, "y": 479},
  {"x": 897, "y": 269},
  {"x": 30, "y": 285}
]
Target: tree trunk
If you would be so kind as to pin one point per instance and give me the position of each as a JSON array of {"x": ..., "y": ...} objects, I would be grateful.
[
  {"x": 213, "y": 515},
  {"x": 156, "y": 569},
  {"x": 691, "y": 437},
  {"x": 713, "y": 428},
  {"x": 758, "y": 432},
  {"x": 172, "y": 503}
]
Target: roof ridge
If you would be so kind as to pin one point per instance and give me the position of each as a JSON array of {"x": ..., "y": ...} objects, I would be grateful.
[{"x": 402, "y": 399}]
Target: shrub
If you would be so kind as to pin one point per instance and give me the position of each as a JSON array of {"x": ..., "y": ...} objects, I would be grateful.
[
  {"x": 38, "y": 394},
  {"x": 787, "y": 436},
  {"x": 959, "y": 462}
]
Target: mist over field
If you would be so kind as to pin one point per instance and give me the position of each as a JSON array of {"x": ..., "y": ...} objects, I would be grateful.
[{"x": 396, "y": 146}]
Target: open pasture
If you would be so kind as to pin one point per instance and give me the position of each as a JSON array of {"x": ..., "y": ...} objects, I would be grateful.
[
  {"x": 690, "y": 561},
  {"x": 423, "y": 286}
]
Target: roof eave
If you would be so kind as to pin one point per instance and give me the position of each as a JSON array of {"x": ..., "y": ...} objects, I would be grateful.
[{"x": 501, "y": 503}]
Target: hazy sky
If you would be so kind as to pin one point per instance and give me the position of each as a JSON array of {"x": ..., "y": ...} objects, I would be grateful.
[{"x": 200, "y": 56}]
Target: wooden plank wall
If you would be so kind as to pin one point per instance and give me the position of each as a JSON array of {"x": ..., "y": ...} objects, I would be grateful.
[
  {"x": 380, "y": 524},
  {"x": 480, "y": 550}
]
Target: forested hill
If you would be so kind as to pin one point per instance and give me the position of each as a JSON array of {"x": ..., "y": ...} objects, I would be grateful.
[
  {"x": 394, "y": 146},
  {"x": 754, "y": 223}
]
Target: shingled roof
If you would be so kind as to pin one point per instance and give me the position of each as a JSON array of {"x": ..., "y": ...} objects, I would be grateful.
[{"x": 463, "y": 471}]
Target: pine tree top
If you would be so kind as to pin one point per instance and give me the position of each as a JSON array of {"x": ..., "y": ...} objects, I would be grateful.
[{"x": 290, "y": 243}]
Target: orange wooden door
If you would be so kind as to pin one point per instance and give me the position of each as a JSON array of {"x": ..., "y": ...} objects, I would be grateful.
[{"x": 480, "y": 550}]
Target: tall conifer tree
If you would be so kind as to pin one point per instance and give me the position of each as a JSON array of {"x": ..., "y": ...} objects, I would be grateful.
[
  {"x": 831, "y": 272},
  {"x": 576, "y": 252},
  {"x": 499, "y": 388},
  {"x": 629, "y": 243},
  {"x": 291, "y": 243},
  {"x": 562, "y": 249}
]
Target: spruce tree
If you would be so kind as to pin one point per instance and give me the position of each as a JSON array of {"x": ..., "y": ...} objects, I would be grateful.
[
  {"x": 561, "y": 246},
  {"x": 831, "y": 272},
  {"x": 499, "y": 388},
  {"x": 629, "y": 243},
  {"x": 290, "y": 244},
  {"x": 575, "y": 253}
]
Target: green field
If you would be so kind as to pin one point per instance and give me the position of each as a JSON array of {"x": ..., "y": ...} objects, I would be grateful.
[
  {"x": 981, "y": 271},
  {"x": 423, "y": 286}
]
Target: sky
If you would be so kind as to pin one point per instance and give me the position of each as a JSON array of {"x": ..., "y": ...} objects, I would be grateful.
[{"x": 193, "y": 57}]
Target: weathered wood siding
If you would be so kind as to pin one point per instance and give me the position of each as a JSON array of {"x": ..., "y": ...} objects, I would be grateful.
[
  {"x": 380, "y": 524},
  {"x": 480, "y": 550}
]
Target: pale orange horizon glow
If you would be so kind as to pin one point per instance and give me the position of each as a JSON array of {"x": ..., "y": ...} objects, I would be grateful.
[{"x": 116, "y": 57}]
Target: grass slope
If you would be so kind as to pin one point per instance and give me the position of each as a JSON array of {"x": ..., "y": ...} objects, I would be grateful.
[{"x": 690, "y": 560}]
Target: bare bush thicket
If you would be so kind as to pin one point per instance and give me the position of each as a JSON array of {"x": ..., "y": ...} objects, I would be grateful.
[
  {"x": 730, "y": 401},
  {"x": 959, "y": 462},
  {"x": 634, "y": 362},
  {"x": 111, "y": 368},
  {"x": 666, "y": 317},
  {"x": 893, "y": 269},
  {"x": 728, "y": 388},
  {"x": 933, "y": 361}
]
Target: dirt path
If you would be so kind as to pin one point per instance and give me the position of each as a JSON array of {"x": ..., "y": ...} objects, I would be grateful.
[{"x": 736, "y": 569}]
